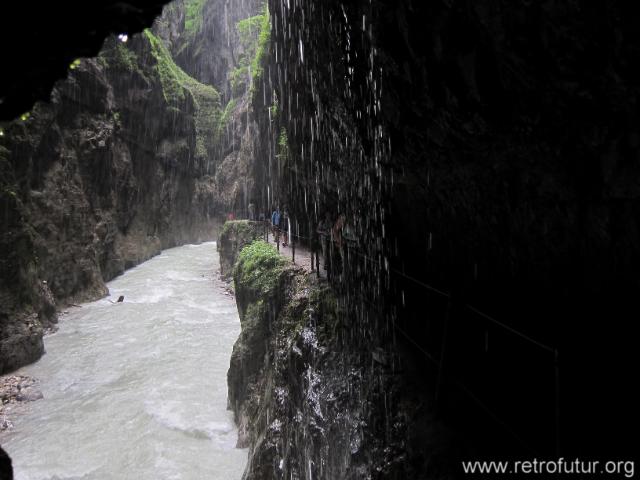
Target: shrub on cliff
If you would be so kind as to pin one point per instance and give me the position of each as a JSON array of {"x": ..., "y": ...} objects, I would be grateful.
[{"x": 259, "y": 267}]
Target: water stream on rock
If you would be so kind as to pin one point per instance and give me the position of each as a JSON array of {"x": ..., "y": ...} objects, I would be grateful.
[{"x": 137, "y": 390}]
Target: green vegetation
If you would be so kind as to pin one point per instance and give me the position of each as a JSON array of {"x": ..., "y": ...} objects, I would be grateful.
[
  {"x": 240, "y": 228},
  {"x": 255, "y": 34},
  {"x": 283, "y": 145},
  {"x": 274, "y": 109},
  {"x": 124, "y": 58},
  {"x": 178, "y": 86},
  {"x": 259, "y": 267},
  {"x": 7, "y": 180},
  {"x": 75, "y": 64},
  {"x": 223, "y": 121},
  {"x": 119, "y": 56},
  {"x": 193, "y": 16}
]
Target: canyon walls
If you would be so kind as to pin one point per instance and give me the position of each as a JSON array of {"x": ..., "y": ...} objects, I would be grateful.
[
  {"x": 485, "y": 158},
  {"x": 310, "y": 400},
  {"x": 130, "y": 156}
]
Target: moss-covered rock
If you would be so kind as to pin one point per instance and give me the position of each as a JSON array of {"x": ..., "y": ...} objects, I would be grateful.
[
  {"x": 234, "y": 236},
  {"x": 308, "y": 391},
  {"x": 255, "y": 35},
  {"x": 178, "y": 87},
  {"x": 259, "y": 268}
]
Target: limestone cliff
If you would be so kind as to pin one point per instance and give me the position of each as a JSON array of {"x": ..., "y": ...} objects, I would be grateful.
[
  {"x": 310, "y": 399},
  {"x": 235, "y": 235},
  {"x": 119, "y": 165},
  {"x": 217, "y": 42},
  {"x": 486, "y": 157}
]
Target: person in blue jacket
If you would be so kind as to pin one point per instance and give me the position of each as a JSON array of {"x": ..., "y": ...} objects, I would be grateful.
[{"x": 275, "y": 224}]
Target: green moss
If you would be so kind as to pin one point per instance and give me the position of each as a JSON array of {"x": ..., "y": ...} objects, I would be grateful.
[
  {"x": 178, "y": 87},
  {"x": 125, "y": 58},
  {"x": 259, "y": 267},
  {"x": 274, "y": 109},
  {"x": 237, "y": 226},
  {"x": 238, "y": 79},
  {"x": 193, "y": 16},
  {"x": 283, "y": 145},
  {"x": 255, "y": 34},
  {"x": 263, "y": 43},
  {"x": 223, "y": 121}
]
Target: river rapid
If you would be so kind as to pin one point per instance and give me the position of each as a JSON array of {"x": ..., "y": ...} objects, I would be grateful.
[{"x": 138, "y": 389}]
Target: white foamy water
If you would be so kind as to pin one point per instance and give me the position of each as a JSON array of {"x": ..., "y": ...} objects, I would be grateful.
[{"x": 137, "y": 390}]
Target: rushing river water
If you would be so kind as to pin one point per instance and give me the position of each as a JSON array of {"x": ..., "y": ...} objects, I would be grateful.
[{"x": 137, "y": 390}]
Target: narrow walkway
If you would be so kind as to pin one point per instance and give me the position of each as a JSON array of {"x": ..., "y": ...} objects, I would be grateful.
[{"x": 302, "y": 256}]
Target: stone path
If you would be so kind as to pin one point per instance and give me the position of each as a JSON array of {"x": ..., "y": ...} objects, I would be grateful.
[{"x": 302, "y": 258}]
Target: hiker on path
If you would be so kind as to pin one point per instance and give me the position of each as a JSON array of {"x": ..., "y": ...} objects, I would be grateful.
[
  {"x": 275, "y": 224},
  {"x": 284, "y": 228}
]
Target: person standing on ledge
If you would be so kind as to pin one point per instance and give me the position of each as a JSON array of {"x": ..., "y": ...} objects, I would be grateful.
[
  {"x": 284, "y": 228},
  {"x": 275, "y": 224}
]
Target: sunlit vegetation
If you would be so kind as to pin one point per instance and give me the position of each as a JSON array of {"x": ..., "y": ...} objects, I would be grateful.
[
  {"x": 274, "y": 109},
  {"x": 238, "y": 228},
  {"x": 259, "y": 267},
  {"x": 224, "y": 118},
  {"x": 255, "y": 34},
  {"x": 178, "y": 87},
  {"x": 193, "y": 16},
  {"x": 125, "y": 58},
  {"x": 283, "y": 145}
]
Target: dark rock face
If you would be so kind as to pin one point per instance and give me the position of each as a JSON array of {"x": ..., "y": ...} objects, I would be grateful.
[
  {"x": 310, "y": 400},
  {"x": 56, "y": 38},
  {"x": 204, "y": 40},
  {"x": 234, "y": 236},
  {"x": 484, "y": 153}
]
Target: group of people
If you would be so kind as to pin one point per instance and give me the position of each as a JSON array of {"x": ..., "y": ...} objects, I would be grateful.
[
  {"x": 330, "y": 237},
  {"x": 280, "y": 226}
]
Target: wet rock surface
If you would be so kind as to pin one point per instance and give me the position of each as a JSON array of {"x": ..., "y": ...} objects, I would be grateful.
[
  {"x": 59, "y": 38},
  {"x": 311, "y": 399},
  {"x": 234, "y": 236},
  {"x": 97, "y": 181},
  {"x": 487, "y": 151},
  {"x": 123, "y": 162},
  {"x": 15, "y": 390}
]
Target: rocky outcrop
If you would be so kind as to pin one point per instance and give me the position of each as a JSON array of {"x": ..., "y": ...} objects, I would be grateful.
[
  {"x": 204, "y": 39},
  {"x": 234, "y": 236},
  {"x": 59, "y": 38},
  {"x": 132, "y": 155},
  {"x": 117, "y": 167},
  {"x": 216, "y": 42},
  {"x": 486, "y": 156},
  {"x": 310, "y": 400}
]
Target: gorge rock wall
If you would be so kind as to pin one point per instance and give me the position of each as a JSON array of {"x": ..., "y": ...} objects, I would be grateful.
[
  {"x": 234, "y": 236},
  {"x": 215, "y": 42},
  {"x": 310, "y": 400},
  {"x": 119, "y": 165},
  {"x": 485, "y": 157}
]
